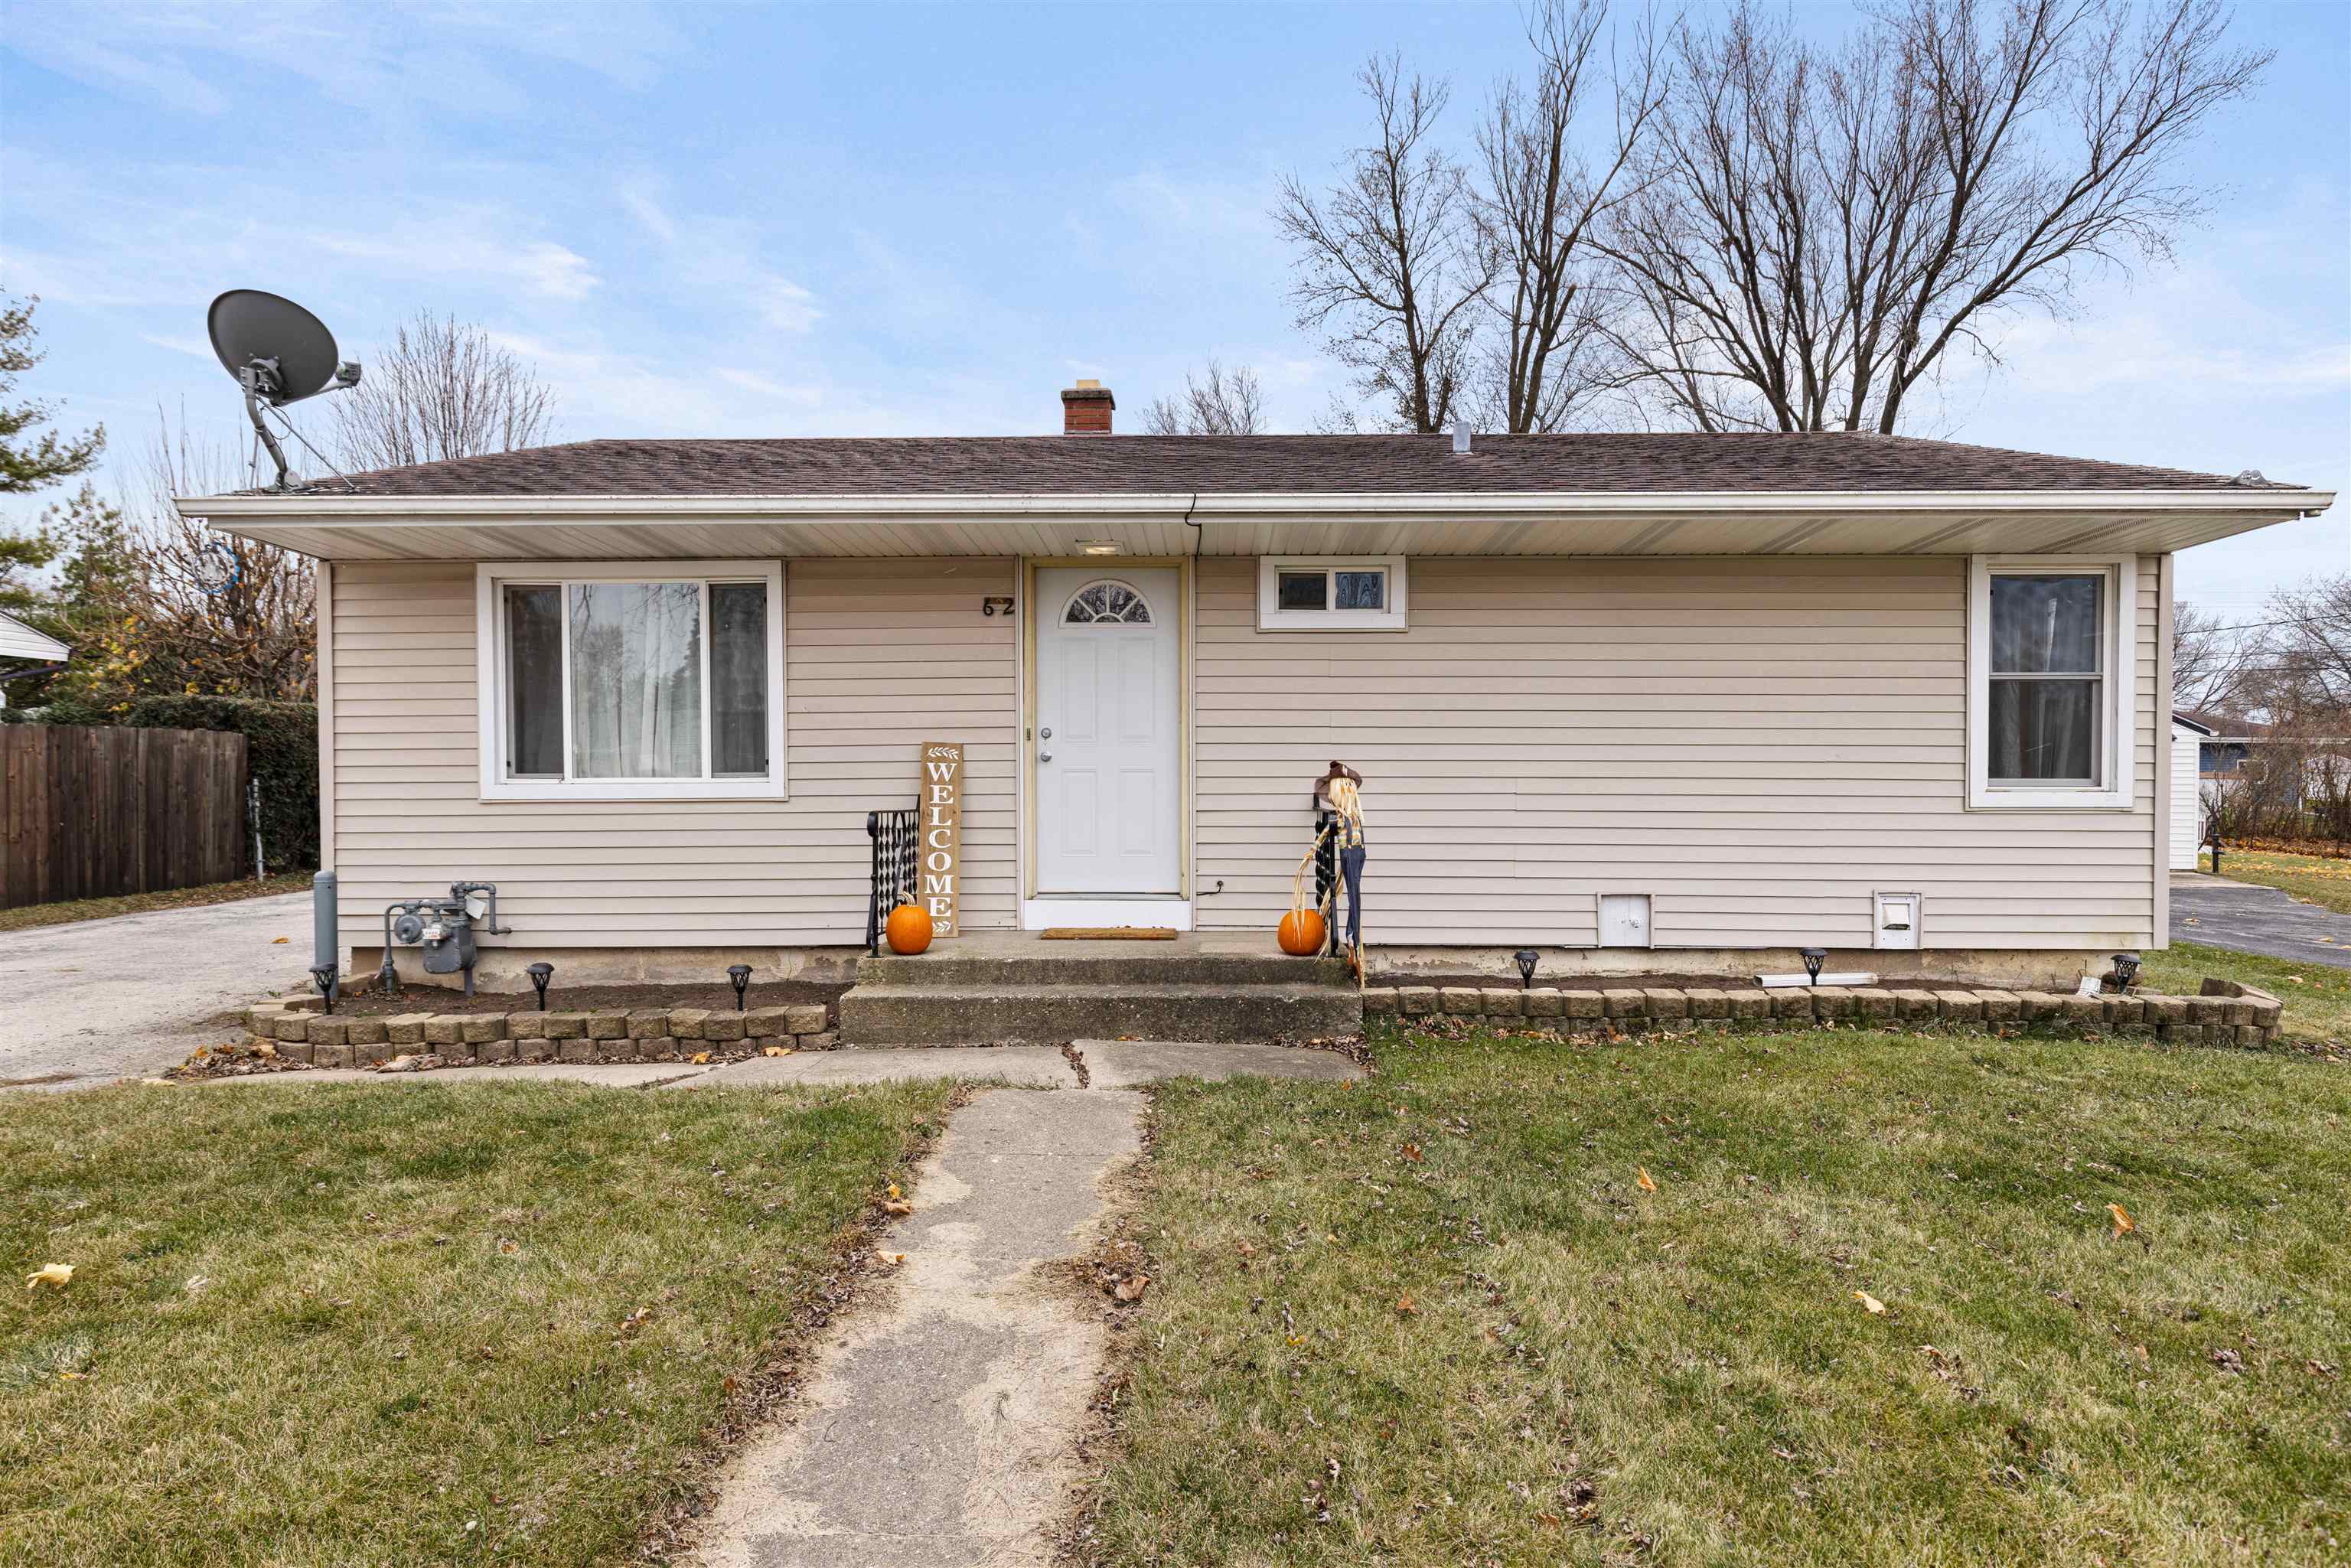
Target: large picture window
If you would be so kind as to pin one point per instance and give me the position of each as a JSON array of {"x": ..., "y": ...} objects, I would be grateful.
[
  {"x": 648, "y": 681},
  {"x": 2049, "y": 682}
]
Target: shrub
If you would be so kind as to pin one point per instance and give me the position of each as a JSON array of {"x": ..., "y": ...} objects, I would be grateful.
[{"x": 281, "y": 748}]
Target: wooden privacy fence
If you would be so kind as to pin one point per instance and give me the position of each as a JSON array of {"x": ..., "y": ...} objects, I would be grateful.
[{"x": 89, "y": 813}]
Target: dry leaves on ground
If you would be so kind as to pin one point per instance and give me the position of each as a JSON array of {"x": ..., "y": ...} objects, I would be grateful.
[{"x": 55, "y": 1274}]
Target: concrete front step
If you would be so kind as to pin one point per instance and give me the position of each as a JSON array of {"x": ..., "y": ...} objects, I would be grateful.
[
  {"x": 996, "y": 1013},
  {"x": 1096, "y": 964}
]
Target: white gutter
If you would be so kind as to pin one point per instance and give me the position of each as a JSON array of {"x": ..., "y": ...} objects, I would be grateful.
[{"x": 326, "y": 508}]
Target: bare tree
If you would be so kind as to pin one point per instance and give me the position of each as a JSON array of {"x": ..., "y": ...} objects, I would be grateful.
[
  {"x": 173, "y": 609},
  {"x": 2208, "y": 662},
  {"x": 1389, "y": 261},
  {"x": 1818, "y": 230},
  {"x": 440, "y": 388},
  {"x": 1228, "y": 403},
  {"x": 1542, "y": 196}
]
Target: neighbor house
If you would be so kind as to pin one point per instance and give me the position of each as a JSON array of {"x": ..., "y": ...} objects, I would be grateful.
[
  {"x": 24, "y": 651},
  {"x": 1637, "y": 701}
]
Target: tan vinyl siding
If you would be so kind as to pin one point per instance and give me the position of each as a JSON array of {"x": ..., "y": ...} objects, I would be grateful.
[
  {"x": 880, "y": 657},
  {"x": 1757, "y": 744}
]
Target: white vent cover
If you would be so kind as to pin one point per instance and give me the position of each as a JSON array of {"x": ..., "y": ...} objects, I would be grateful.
[
  {"x": 1896, "y": 924},
  {"x": 1623, "y": 920}
]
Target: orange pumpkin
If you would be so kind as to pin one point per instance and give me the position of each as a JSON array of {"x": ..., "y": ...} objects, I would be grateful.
[
  {"x": 908, "y": 929},
  {"x": 1300, "y": 935}
]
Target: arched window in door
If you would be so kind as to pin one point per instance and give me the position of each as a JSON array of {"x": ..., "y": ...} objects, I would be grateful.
[{"x": 1107, "y": 600}]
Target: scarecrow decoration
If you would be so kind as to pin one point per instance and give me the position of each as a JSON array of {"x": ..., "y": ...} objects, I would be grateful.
[{"x": 1339, "y": 792}]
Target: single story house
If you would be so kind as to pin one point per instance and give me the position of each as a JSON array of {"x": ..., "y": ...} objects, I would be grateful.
[{"x": 1639, "y": 701}]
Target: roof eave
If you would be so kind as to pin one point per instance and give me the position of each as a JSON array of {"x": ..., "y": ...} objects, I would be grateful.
[{"x": 1666, "y": 523}]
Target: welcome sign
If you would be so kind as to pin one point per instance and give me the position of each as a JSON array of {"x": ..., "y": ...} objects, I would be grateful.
[{"x": 942, "y": 831}]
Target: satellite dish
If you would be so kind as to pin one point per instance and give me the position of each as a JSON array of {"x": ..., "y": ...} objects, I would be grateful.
[
  {"x": 249, "y": 327},
  {"x": 279, "y": 352}
]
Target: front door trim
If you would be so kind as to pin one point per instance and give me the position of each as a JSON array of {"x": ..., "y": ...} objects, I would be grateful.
[{"x": 1033, "y": 918}]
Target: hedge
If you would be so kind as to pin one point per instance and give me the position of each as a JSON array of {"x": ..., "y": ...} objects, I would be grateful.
[{"x": 282, "y": 749}]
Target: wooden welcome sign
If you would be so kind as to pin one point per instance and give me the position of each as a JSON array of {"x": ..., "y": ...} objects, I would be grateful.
[{"x": 942, "y": 826}]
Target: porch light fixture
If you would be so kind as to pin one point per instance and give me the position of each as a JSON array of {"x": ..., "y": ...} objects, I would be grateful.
[
  {"x": 324, "y": 974},
  {"x": 741, "y": 975},
  {"x": 1100, "y": 546},
  {"x": 2125, "y": 972},
  {"x": 1528, "y": 958},
  {"x": 541, "y": 974},
  {"x": 1813, "y": 957}
]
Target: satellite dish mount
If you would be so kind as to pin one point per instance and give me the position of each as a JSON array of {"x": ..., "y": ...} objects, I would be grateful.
[{"x": 279, "y": 353}]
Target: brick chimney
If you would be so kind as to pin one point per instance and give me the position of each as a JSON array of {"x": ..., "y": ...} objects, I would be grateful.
[{"x": 1086, "y": 409}]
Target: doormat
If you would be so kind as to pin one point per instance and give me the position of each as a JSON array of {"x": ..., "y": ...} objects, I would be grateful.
[{"x": 1109, "y": 934}]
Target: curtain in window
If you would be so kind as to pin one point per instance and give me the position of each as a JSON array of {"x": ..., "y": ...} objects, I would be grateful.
[
  {"x": 2046, "y": 688},
  {"x": 636, "y": 679},
  {"x": 738, "y": 679},
  {"x": 535, "y": 683}
]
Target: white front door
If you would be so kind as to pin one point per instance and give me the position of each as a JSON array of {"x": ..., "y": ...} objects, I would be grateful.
[{"x": 1109, "y": 781}]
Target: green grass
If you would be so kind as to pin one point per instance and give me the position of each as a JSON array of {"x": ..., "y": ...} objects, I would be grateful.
[
  {"x": 2315, "y": 879},
  {"x": 1591, "y": 1373},
  {"x": 399, "y": 1325},
  {"x": 24, "y": 917},
  {"x": 2317, "y": 997}
]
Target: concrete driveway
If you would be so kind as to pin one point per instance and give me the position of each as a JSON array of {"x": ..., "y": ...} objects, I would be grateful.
[
  {"x": 105, "y": 998},
  {"x": 2244, "y": 918}
]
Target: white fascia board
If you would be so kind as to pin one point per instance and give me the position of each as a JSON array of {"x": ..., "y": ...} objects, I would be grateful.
[{"x": 329, "y": 510}]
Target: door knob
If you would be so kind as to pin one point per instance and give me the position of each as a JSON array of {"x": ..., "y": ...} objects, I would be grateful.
[{"x": 1046, "y": 734}]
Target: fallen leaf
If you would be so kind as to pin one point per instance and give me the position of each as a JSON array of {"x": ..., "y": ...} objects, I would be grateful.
[
  {"x": 2124, "y": 1223},
  {"x": 507, "y": 1247},
  {"x": 728, "y": 1384},
  {"x": 702, "y": 1059},
  {"x": 1404, "y": 1306},
  {"x": 1132, "y": 1288},
  {"x": 57, "y": 1274},
  {"x": 279, "y": 941},
  {"x": 1412, "y": 1153},
  {"x": 1644, "y": 1184},
  {"x": 1877, "y": 1308},
  {"x": 69, "y": 1377},
  {"x": 776, "y": 1051}
]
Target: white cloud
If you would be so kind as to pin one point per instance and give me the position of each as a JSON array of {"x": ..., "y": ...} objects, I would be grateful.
[
  {"x": 471, "y": 246},
  {"x": 443, "y": 60},
  {"x": 194, "y": 346},
  {"x": 765, "y": 386},
  {"x": 722, "y": 256}
]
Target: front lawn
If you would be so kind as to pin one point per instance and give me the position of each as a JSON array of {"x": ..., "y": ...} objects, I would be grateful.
[
  {"x": 2316, "y": 879},
  {"x": 1436, "y": 1318},
  {"x": 475, "y": 1323}
]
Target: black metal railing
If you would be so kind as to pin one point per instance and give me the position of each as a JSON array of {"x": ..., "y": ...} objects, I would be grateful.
[
  {"x": 896, "y": 842},
  {"x": 1326, "y": 873}
]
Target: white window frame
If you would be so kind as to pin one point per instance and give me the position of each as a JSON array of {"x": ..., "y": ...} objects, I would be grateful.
[
  {"x": 489, "y": 641},
  {"x": 2119, "y": 729},
  {"x": 1271, "y": 617}
]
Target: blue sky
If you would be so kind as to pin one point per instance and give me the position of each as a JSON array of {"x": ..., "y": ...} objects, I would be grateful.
[{"x": 738, "y": 220}]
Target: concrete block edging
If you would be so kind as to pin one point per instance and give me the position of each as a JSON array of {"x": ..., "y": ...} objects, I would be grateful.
[{"x": 2225, "y": 1013}]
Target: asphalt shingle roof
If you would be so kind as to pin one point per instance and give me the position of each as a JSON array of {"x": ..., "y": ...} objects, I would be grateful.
[{"x": 1299, "y": 464}]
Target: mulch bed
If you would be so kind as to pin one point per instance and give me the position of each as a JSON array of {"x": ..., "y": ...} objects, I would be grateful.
[{"x": 562, "y": 998}]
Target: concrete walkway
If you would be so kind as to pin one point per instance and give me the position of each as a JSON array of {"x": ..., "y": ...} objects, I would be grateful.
[
  {"x": 100, "y": 999},
  {"x": 939, "y": 1429},
  {"x": 2245, "y": 918}
]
